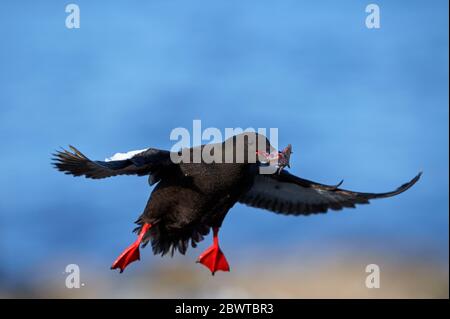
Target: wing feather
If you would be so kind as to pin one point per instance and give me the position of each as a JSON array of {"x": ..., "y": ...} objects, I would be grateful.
[
  {"x": 291, "y": 195},
  {"x": 76, "y": 163}
]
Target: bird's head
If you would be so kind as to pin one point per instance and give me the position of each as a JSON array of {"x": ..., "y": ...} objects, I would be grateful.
[{"x": 251, "y": 147}]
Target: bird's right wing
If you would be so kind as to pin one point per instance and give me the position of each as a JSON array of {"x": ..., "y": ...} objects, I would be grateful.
[
  {"x": 147, "y": 162},
  {"x": 285, "y": 193}
]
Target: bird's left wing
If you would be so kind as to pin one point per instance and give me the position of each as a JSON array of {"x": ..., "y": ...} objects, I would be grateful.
[
  {"x": 288, "y": 194},
  {"x": 147, "y": 162}
]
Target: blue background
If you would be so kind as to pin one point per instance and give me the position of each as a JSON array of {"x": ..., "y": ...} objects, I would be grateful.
[{"x": 368, "y": 106}]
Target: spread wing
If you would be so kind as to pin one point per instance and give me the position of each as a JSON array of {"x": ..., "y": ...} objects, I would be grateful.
[
  {"x": 291, "y": 195},
  {"x": 147, "y": 162}
]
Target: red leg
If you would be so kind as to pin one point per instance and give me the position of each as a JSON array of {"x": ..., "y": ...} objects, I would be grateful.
[
  {"x": 132, "y": 252},
  {"x": 213, "y": 258}
]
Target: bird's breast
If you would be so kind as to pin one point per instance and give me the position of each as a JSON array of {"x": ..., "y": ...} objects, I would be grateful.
[{"x": 216, "y": 178}]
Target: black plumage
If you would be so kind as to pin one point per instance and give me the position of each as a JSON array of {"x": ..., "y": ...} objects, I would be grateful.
[{"x": 191, "y": 198}]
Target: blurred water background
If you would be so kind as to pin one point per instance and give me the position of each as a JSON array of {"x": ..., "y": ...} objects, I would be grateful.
[{"x": 369, "y": 106}]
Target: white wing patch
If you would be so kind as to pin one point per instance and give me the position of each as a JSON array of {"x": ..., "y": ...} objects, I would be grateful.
[{"x": 124, "y": 156}]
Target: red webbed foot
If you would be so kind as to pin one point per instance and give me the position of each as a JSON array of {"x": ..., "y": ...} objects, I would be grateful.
[
  {"x": 213, "y": 258},
  {"x": 132, "y": 252}
]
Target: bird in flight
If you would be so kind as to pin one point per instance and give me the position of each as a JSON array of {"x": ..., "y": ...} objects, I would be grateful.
[{"x": 190, "y": 198}]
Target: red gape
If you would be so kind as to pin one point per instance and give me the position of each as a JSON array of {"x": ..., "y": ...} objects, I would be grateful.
[
  {"x": 213, "y": 258},
  {"x": 132, "y": 252}
]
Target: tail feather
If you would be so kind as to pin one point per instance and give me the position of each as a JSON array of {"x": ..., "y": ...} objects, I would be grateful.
[{"x": 164, "y": 240}]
